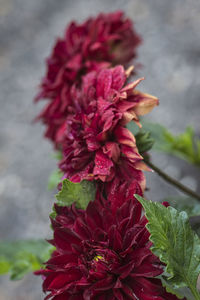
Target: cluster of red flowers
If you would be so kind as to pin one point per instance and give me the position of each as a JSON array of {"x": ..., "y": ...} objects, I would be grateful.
[
  {"x": 98, "y": 43},
  {"x": 103, "y": 252}
]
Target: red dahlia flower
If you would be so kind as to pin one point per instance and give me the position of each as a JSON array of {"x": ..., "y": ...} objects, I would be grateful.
[
  {"x": 99, "y": 42},
  {"x": 119, "y": 191},
  {"x": 101, "y": 255},
  {"x": 96, "y": 143}
]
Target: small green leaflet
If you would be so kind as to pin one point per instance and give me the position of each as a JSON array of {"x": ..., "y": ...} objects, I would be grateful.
[
  {"x": 185, "y": 145},
  {"x": 174, "y": 243},
  {"x": 190, "y": 205},
  {"x": 158, "y": 134},
  {"x": 54, "y": 179},
  {"x": 144, "y": 141},
  {"x": 21, "y": 257},
  {"x": 81, "y": 193}
]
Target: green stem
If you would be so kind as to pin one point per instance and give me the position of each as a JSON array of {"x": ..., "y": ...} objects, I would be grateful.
[
  {"x": 173, "y": 181},
  {"x": 195, "y": 293}
]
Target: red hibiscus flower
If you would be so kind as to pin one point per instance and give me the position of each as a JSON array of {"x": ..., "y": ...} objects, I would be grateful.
[
  {"x": 106, "y": 40},
  {"x": 96, "y": 143},
  {"x": 102, "y": 255}
]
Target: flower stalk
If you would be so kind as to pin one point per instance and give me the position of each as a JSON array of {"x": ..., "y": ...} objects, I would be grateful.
[{"x": 173, "y": 181}]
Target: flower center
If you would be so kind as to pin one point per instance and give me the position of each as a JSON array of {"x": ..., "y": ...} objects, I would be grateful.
[{"x": 98, "y": 257}]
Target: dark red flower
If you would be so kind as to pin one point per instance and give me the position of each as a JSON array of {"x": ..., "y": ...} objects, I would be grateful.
[
  {"x": 106, "y": 40},
  {"x": 102, "y": 254},
  {"x": 96, "y": 143},
  {"x": 119, "y": 191}
]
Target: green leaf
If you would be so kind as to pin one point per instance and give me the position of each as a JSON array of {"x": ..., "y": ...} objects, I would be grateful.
[
  {"x": 4, "y": 266},
  {"x": 144, "y": 141},
  {"x": 53, "y": 215},
  {"x": 196, "y": 228},
  {"x": 180, "y": 293},
  {"x": 174, "y": 243},
  {"x": 188, "y": 204},
  {"x": 20, "y": 257},
  {"x": 54, "y": 179},
  {"x": 81, "y": 193},
  {"x": 185, "y": 145}
]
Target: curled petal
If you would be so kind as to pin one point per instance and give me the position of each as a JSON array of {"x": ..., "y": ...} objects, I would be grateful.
[
  {"x": 140, "y": 165},
  {"x": 131, "y": 86},
  {"x": 125, "y": 137},
  {"x": 129, "y": 71},
  {"x": 112, "y": 150},
  {"x": 145, "y": 104}
]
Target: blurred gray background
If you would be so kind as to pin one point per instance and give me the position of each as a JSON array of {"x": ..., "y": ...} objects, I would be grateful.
[{"x": 170, "y": 55}]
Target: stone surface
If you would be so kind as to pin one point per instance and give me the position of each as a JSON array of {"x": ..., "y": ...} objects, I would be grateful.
[{"x": 170, "y": 55}]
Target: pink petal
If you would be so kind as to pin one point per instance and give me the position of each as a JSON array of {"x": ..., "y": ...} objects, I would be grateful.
[
  {"x": 112, "y": 150},
  {"x": 104, "y": 81},
  {"x": 118, "y": 77},
  {"x": 124, "y": 136},
  {"x": 103, "y": 164}
]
